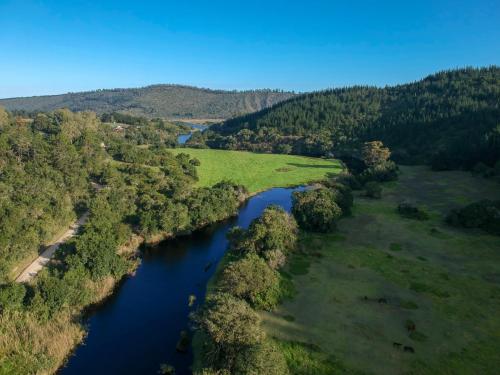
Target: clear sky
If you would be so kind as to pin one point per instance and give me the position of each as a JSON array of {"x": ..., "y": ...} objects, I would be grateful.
[{"x": 52, "y": 47}]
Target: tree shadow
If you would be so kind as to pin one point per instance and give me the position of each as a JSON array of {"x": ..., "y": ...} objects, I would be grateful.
[{"x": 322, "y": 166}]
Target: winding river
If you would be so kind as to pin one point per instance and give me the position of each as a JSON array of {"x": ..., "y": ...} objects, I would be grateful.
[{"x": 137, "y": 329}]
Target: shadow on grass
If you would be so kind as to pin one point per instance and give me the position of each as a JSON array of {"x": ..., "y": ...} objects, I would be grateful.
[{"x": 323, "y": 166}]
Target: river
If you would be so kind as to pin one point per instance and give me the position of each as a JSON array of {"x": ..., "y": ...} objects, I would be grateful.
[
  {"x": 183, "y": 138},
  {"x": 137, "y": 329}
]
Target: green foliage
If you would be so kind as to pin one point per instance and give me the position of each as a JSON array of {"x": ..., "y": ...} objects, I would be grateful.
[
  {"x": 250, "y": 278},
  {"x": 230, "y": 322},
  {"x": 373, "y": 190},
  {"x": 411, "y": 211},
  {"x": 484, "y": 214},
  {"x": 316, "y": 209},
  {"x": 46, "y": 169},
  {"x": 166, "y": 369},
  {"x": 384, "y": 172},
  {"x": 307, "y": 359},
  {"x": 11, "y": 296},
  {"x": 265, "y": 358},
  {"x": 343, "y": 195},
  {"x": 449, "y": 119},
  {"x": 270, "y": 236},
  {"x": 155, "y": 101},
  {"x": 375, "y": 153}
]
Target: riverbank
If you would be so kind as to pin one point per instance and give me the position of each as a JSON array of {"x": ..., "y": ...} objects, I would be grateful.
[{"x": 44, "y": 346}]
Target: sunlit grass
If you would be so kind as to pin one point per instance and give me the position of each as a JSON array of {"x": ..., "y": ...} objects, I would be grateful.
[{"x": 259, "y": 172}]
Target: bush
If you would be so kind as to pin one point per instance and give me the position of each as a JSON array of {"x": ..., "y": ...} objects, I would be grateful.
[
  {"x": 316, "y": 210},
  {"x": 386, "y": 171},
  {"x": 230, "y": 322},
  {"x": 270, "y": 236},
  {"x": 12, "y": 296},
  {"x": 265, "y": 358},
  {"x": 484, "y": 214},
  {"x": 349, "y": 180},
  {"x": 373, "y": 190},
  {"x": 412, "y": 212},
  {"x": 253, "y": 280},
  {"x": 343, "y": 195}
]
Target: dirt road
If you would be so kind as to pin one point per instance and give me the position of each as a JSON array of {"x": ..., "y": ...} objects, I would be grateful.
[{"x": 36, "y": 266}]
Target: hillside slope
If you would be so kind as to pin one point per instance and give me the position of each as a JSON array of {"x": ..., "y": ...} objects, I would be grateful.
[
  {"x": 172, "y": 101},
  {"x": 455, "y": 114}
]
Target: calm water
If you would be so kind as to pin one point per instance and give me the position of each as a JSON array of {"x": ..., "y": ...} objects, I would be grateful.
[
  {"x": 183, "y": 138},
  {"x": 138, "y": 328}
]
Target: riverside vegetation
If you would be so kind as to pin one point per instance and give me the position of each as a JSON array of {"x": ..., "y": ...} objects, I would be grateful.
[
  {"x": 48, "y": 163},
  {"x": 149, "y": 194}
]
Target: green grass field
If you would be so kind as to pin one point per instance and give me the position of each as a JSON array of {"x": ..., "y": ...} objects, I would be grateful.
[
  {"x": 357, "y": 288},
  {"x": 259, "y": 172}
]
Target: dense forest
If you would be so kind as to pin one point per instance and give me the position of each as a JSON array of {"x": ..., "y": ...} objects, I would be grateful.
[
  {"x": 48, "y": 166},
  {"x": 450, "y": 119},
  {"x": 168, "y": 101}
]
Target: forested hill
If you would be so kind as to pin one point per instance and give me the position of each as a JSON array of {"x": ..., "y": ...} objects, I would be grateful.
[
  {"x": 452, "y": 114},
  {"x": 171, "y": 101}
]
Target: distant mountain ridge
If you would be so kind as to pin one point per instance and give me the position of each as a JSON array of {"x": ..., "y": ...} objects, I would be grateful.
[{"x": 162, "y": 100}]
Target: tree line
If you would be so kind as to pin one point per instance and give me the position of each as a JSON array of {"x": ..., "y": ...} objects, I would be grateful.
[{"x": 449, "y": 120}]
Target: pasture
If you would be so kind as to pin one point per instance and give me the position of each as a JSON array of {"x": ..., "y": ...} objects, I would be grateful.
[
  {"x": 389, "y": 295},
  {"x": 259, "y": 172}
]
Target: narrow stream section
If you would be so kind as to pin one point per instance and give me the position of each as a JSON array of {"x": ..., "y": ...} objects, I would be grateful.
[
  {"x": 138, "y": 328},
  {"x": 183, "y": 138}
]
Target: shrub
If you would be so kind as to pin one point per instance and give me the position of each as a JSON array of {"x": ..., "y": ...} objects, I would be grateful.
[
  {"x": 375, "y": 153},
  {"x": 253, "y": 280},
  {"x": 386, "y": 171},
  {"x": 265, "y": 358},
  {"x": 412, "y": 212},
  {"x": 230, "y": 322},
  {"x": 373, "y": 190},
  {"x": 316, "y": 210},
  {"x": 270, "y": 236},
  {"x": 484, "y": 214},
  {"x": 12, "y": 296},
  {"x": 343, "y": 195},
  {"x": 349, "y": 180}
]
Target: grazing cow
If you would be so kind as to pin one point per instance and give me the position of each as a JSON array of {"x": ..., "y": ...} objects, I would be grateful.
[
  {"x": 382, "y": 300},
  {"x": 396, "y": 345},
  {"x": 409, "y": 349}
]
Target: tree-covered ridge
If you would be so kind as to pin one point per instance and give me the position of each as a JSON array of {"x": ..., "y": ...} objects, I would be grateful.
[
  {"x": 170, "y": 101},
  {"x": 454, "y": 114}
]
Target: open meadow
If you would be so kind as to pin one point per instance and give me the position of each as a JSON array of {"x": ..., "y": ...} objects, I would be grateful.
[
  {"x": 259, "y": 172},
  {"x": 389, "y": 295}
]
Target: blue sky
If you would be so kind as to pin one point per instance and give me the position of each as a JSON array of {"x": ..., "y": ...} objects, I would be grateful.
[{"x": 59, "y": 46}]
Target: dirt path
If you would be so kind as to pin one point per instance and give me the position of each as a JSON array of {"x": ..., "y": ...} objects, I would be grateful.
[{"x": 37, "y": 265}]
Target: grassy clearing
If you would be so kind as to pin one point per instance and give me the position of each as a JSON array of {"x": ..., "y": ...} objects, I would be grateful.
[
  {"x": 259, "y": 172},
  {"x": 358, "y": 289}
]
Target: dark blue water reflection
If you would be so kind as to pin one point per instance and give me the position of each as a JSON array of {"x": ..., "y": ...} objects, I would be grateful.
[{"x": 138, "y": 328}]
